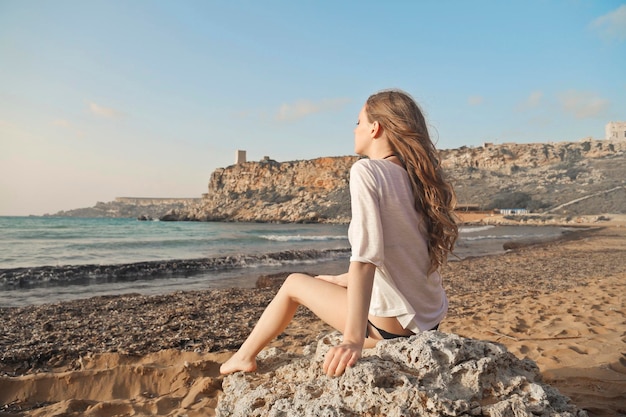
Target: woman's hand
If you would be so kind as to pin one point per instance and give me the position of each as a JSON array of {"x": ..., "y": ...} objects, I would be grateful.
[
  {"x": 358, "y": 282},
  {"x": 341, "y": 280},
  {"x": 341, "y": 357}
]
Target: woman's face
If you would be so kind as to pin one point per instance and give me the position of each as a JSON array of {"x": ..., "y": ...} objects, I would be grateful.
[{"x": 362, "y": 134}]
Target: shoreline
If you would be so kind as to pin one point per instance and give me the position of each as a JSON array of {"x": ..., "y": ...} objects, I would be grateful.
[
  {"x": 262, "y": 287},
  {"x": 554, "y": 302},
  {"x": 26, "y": 277},
  {"x": 222, "y": 267}
]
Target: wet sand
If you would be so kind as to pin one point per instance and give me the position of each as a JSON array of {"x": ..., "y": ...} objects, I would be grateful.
[{"x": 560, "y": 304}]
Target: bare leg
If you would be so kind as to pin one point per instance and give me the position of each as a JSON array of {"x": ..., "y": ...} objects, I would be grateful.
[{"x": 328, "y": 301}]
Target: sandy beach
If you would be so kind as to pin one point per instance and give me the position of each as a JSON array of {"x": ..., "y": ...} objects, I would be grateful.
[{"x": 560, "y": 304}]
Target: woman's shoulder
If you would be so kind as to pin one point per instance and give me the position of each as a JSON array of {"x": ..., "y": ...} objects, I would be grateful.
[
  {"x": 361, "y": 163},
  {"x": 363, "y": 167},
  {"x": 367, "y": 166}
]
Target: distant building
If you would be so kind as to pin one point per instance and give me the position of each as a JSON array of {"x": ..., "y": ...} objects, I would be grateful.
[
  {"x": 513, "y": 212},
  {"x": 240, "y": 157},
  {"x": 616, "y": 131}
]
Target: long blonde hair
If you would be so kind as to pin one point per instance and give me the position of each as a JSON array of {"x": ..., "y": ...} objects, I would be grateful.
[{"x": 404, "y": 125}]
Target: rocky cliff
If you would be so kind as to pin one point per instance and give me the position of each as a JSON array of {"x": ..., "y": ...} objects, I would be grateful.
[
  {"x": 568, "y": 178},
  {"x": 585, "y": 177},
  {"x": 268, "y": 191},
  {"x": 130, "y": 207}
]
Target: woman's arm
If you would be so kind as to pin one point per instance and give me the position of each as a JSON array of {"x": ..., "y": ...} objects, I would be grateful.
[
  {"x": 360, "y": 279},
  {"x": 341, "y": 280}
]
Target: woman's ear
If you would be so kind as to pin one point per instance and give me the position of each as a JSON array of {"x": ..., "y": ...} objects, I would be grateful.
[{"x": 377, "y": 130}]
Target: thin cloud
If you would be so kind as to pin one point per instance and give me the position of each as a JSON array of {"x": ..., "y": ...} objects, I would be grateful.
[
  {"x": 532, "y": 101},
  {"x": 102, "y": 111},
  {"x": 540, "y": 121},
  {"x": 5, "y": 124},
  {"x": 61, "y": 123},
  {"x": 582, "y": 104},
  {"x": 475, "y": 100},
  {"x": 67, "y": 125},
  {"x": 14, "y": 130},
  {"x": 303, "y": 108},
  {"x": 612, "y": 25}
]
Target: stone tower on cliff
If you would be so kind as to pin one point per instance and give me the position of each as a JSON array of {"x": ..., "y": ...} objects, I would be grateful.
[
  {"x": 240, "y": 157},
  {"x": 615, "y": 131}
]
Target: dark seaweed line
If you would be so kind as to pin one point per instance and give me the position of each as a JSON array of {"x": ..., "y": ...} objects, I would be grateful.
[{"x": 31, "y": 276}]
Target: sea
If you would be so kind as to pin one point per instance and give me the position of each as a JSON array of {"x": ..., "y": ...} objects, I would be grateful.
[{"x": 55, "y": 259}]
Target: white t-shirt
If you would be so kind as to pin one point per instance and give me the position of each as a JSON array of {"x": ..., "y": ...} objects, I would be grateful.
[{"x": 385, "y": 231}]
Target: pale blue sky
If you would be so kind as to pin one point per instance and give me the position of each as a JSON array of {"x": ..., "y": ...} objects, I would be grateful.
[{"x": 100, "y": 99}]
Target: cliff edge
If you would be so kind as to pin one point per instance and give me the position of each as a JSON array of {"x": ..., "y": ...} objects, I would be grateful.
[
  {"x": 568, "y": 178},
  {"x": 305, "y": 191}
]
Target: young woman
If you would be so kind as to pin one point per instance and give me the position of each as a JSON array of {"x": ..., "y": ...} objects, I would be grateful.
[{"x": 401, "y": 232}]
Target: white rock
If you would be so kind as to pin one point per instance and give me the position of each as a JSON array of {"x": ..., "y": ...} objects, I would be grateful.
[{"x": 430, "y": 374}]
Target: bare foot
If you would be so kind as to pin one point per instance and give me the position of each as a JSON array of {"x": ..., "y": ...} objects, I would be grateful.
[{"x": 235, "y": 364}]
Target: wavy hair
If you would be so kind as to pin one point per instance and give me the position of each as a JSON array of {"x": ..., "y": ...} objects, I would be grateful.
[{"x": 404, "y": 126}]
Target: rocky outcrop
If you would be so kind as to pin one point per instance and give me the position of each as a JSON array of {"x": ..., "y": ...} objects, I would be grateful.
[
  {"x": 528, "y": 155},
  {"x": 542, "y": 177},
  {"x": 130, "y": 207},
  {"x": 535, "y": 176},
  {"x": 430, "y": 374},
  {"x": 307, "y": 191}
]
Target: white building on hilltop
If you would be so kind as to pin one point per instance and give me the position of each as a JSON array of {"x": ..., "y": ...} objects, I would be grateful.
[
  {"x": 615, "y": 131},
  {"x": 240, "y": 157}
]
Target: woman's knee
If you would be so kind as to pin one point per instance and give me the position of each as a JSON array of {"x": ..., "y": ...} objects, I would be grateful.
[{"x": 294, "y": 282}]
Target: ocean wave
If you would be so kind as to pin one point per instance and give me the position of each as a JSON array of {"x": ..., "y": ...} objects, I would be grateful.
[
  {"x": 15, "y": 278},
  {"x": 300, "y": 238},
  {"x": 509, "y": 237},
  {"x": 493, "y": 237},
  {"x": 474, "y": 229}
]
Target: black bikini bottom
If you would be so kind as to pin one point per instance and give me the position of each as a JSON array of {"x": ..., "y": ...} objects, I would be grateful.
[{"x": 387, "y": 335}]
